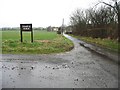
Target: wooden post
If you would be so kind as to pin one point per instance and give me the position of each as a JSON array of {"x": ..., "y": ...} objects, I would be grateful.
[
  {"x": 21, "y": 35},
  {"x": 32, "y": 36}
]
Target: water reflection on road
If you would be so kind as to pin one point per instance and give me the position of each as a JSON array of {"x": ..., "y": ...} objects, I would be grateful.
[{"x": 78, "y": 68}]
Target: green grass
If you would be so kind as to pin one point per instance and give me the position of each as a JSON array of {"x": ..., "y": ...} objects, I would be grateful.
[
  {"x": 0, "y": 42},
  {"x": 38, "y": 35},
  {"x": 44, "y": 43},
  {"x": 112, "y": 45}
]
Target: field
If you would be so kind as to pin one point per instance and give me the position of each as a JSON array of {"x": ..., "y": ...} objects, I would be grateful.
[
  {"x": 38, "y": 35},
  {"x": 44, "y": 43}
]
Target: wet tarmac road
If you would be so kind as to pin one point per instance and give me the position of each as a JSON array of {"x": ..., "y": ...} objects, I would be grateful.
[{"x": 79, "y": 68}]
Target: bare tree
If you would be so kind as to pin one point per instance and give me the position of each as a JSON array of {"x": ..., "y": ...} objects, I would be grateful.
[
  {"x": 116, "y": 7},
  {"x": 78, "y": 21},
  {"x": 94, "y": 20}
]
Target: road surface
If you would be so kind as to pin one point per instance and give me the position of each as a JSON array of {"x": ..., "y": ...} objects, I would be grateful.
[{"x": 79, "y": 68}]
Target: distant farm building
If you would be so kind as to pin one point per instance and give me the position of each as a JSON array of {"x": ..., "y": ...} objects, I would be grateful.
[
  {"x": 55, "y": 29},
  {"x": 68, "y": 30}
]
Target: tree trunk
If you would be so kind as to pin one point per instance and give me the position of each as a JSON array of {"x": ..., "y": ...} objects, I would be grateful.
[
  {"x": 118, "y": 14},
  {"x": 119, "y": 27}
]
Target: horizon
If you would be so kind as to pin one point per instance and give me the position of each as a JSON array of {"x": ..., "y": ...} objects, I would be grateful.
[{"x": 41, "y": 13}]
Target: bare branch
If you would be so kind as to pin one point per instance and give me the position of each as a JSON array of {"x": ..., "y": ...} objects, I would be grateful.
[{"x": 107, "y": 4}]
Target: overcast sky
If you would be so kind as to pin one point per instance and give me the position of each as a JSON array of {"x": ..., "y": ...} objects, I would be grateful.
[{"x": 41, "y": 13}]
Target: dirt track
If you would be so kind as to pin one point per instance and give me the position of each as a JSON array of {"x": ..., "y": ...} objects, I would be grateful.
[{"x": 79, "y": 68}]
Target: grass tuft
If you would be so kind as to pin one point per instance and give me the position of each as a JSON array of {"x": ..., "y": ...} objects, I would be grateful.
[{"x": 48, "y": 43}]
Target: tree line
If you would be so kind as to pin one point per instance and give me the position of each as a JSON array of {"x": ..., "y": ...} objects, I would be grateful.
[{"x": 97, "y": 22}]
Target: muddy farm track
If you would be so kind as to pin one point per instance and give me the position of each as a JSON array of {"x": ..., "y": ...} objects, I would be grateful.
[{"x": 79, "y": 68}]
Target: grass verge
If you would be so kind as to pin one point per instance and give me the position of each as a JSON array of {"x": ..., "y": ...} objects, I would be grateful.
[
  {"x": 109, "y": 44},
  {"x": 56, "y": 45}
]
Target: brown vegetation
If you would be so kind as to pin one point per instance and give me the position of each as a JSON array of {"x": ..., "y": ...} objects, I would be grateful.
[{"x": 102, "y": 22}]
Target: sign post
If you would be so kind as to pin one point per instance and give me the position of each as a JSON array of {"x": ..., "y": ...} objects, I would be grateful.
[{"x": 27, "y": 28}]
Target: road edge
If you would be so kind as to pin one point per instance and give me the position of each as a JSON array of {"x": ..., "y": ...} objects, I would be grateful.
[{"x": 105, "y": 52}]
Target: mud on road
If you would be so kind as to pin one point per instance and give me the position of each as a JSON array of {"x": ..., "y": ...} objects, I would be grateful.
[{"x": 79, "y": 68}]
